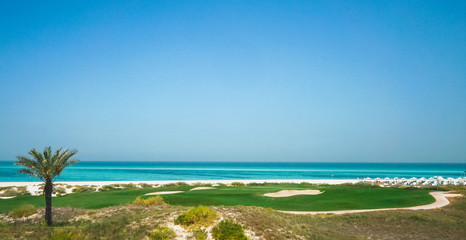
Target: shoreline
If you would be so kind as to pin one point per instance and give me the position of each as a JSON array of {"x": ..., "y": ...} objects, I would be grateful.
[{"x": 246, "y": 181}]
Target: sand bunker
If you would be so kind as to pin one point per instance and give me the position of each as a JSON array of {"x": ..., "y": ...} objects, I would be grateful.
[
  {"x": 161, "y": 193},
  {"x": 6, "y": 197},
  {"x": 289, "y": 193},
  {"x": 452, "y": 195},
  {"x": 201, "y": 188}
]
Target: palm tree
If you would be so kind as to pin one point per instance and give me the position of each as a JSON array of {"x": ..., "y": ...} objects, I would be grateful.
[{"x": 46, "y": 167}]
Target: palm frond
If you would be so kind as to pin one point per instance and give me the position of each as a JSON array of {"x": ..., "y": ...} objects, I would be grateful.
[
  {"x": 45, "y": 165},
  {"x": 31, "y": 172},
  {"x": 36, "y": 155},
  {"x": 63, "y": 160},
  {"x": 26, "y": 162}
]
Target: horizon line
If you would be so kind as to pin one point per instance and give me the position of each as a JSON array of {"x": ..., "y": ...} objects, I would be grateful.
[{"x": 189, "y": 161}]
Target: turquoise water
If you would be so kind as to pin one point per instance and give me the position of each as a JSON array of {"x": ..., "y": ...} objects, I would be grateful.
[{"x": 179, "y": 171}]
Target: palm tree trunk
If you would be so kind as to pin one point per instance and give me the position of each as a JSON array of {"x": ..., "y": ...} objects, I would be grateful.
[{"x": 48, "y": 189}]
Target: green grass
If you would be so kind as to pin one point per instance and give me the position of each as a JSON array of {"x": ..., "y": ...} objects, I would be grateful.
[
  {"x": 92, "y": 200},
  {"x": 335, "y": 197}
]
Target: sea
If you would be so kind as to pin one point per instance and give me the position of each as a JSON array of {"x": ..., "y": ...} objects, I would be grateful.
[{"x": 184, "y": 171}]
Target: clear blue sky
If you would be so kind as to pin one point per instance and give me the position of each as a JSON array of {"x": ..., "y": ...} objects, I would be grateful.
[{"x": 370, "y": 81}]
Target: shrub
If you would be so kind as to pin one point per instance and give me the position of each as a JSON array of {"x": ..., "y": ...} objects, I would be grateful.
[
  {"x": 22, "y": 190},
  {"x": 305, "y": 183},
  {"x": 129, "y": 186},
  {"x": 23, "y": 211},
  {"x": 13, "y": 191},
  {"x": 228, "y": 230},
  {"x": 162, "y": 233},
  {"x": 152, "y": 201},
  {"x": 197, "y": 216},
  {"x": 238, "y": 184},
  {"x": 199, "y": 184},
  {"x": 145, "y": 185},
  {"x": 66, "y": 235},
  {"x": 83, "y": 189},
  {"x": 255, "y": 184},
  {"x": 107, "y": 188},
  {"x": 263, "y": 183},
  {"x": 60, "y": 190},
  {"x": 175, "y": 184},
  {"x": 199, "y": 234},
  {"x": 10, "y": 192}
]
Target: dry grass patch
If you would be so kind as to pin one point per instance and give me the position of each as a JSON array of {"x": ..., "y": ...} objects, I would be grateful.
[
  {"x": 197, "y": 217},
  {"x": 23, "y": 211},
  {"x": 152, "y": 201}
]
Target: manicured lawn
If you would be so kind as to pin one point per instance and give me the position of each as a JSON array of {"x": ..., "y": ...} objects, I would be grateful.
[{"x": 335, "y": 197}]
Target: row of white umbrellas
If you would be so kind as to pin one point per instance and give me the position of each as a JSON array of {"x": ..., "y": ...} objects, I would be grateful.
[{"x": 437, "y": 180}]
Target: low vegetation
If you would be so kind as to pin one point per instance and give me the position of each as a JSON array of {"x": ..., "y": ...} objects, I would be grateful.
[
  {"x": 151, "y": 201},
  {"x": 60, "y": 190},
  {"x": 175, "y": 184},
  {"x": 83, "y": 189},
  {"x": 228, "y": 230},
  {"x": 238, "y": 184},
  {"x": 64, "y": 234},
  {"x": 199, "y": 184},
  {"x": 162, "y": 233},
  {"x": 23, "y": 211},
  {"x": 146, "y": 185},
  {"x": 108, "y": 188},
  {"x": 196, "y": 217},
  {"x": 13, "y": 191},
  {"x": 199, "y": 234}
]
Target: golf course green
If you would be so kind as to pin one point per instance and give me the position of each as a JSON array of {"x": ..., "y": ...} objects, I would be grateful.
[{"x": 333, "y": 197}]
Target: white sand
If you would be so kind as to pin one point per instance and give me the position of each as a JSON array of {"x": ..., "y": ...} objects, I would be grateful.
[
  {"x": 6, "y": 197},
  {"x": 440, "y": 201},
  {"x": 201, "y": 188},
  {"x": 289, "y": 193},
  {"x": 162, "y": 193},
  {"x": 101, "y": 183}
]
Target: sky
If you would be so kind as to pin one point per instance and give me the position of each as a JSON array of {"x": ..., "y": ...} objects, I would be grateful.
[{"x": 290, "y": 81}]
